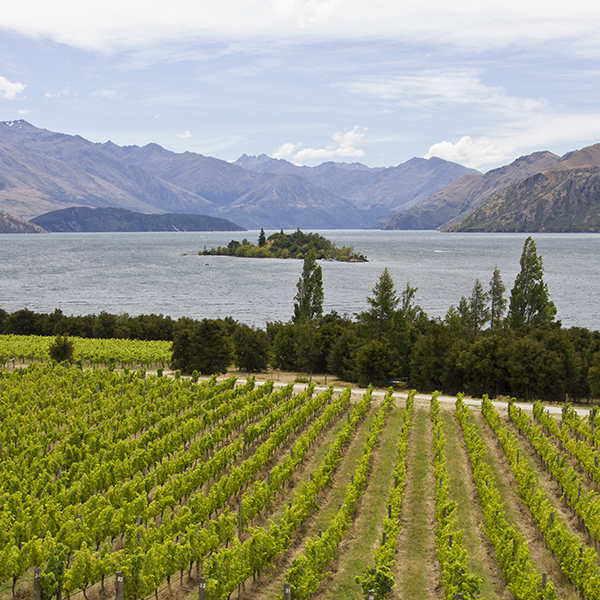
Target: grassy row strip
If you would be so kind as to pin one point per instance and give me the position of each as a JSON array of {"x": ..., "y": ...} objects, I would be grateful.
[
  {"x": 578, "y": 562},
  {"x": 512, "y": 551},
  {"x": 380, "y": 578},
  {"x": 451, "y": 553}
]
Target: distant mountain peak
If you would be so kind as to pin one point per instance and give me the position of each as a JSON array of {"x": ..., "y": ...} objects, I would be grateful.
[
  {"x": 18, "y": 124},
  {"x": 261, "y": 162},
  {"x": 154, "y": 147}
]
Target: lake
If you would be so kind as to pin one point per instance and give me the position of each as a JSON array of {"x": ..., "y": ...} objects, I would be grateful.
[{"x": 162, "y": 273}]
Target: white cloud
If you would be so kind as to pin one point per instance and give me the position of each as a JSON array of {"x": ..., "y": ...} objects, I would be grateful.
[
  {"x": 10, "y": 90},
  {"x": 345, "y": 148},
  {"x": 347, "y": 141},
  {"x": 109, "y": 24},
  {"x": 434, "y": 89},
  {"x": 285, "y": 150},
  {"x": 521, "y": 135},
  {"x": 58, "y": 94},
  {"x": 105, "y": 94},
  {"x": 186, "y": 135},
  {"x": 472, "y": 153},
  {"x": 499, "y": 126},
  {"x": 24, "y": 111}
]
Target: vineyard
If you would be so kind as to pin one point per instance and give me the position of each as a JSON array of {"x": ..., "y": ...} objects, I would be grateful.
[
  {"x": 242, "y": 489},
  {"x": 89, "y": 352}
]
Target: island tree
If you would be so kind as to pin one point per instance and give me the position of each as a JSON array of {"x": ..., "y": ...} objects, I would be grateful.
[{"x": 262, "y": 239}]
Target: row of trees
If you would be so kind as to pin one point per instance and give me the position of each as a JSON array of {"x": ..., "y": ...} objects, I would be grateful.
[
  {"x": 104, "y": 325},
  {"x": 488, "y": 343}
]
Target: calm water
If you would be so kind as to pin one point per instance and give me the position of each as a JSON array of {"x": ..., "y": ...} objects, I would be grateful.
[{"x": 143, "y": 273}]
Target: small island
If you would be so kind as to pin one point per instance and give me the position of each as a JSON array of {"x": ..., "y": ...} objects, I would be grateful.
[{"x": 286, "y": 245}]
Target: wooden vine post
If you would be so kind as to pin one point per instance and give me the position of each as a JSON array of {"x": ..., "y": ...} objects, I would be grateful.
[
  {"x": 119, "y": 586},
  {"x": 37, "y": 590},
  {"x": 202, "y": 589}
]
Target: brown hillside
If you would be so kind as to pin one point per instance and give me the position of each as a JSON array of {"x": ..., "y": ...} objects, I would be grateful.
[
  {"x": 459, "y": 198},
  {"x": 558, "y": 200}
]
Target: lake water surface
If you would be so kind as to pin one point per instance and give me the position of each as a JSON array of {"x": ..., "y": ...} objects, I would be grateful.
[{"x": 162, "y": 273}]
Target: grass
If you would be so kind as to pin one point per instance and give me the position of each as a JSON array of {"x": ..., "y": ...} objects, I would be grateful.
[{"x": 414, "y": 562}]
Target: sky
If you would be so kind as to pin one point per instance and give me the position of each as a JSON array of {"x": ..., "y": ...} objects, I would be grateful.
[{"x": 377, "y": 82}]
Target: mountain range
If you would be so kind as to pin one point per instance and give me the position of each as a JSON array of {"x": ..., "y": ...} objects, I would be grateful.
[
  {"x": 538, "y": 192},
  {"x": 43, "y": 171}
]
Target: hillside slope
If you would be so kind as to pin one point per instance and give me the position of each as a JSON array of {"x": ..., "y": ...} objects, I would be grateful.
[
  {"x": 216, "y": 180},
  {"x": 551, "y": 201},
  {"x": 562, "y": 197},
  {"x": 462, "y": 196},
  {"x": 9, "y": 224},
  {"x": 41, "y": 170}
]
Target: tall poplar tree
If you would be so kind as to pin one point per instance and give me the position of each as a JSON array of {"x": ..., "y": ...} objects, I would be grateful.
[
  {"x": 529, "y": 300},
  {"x": 409, "y": 310},
  {"x": 497, "y": 299},
  {"x": 308, "y": 302}
]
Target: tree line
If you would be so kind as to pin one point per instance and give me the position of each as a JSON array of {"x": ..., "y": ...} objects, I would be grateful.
[
  {"x": 103, "y": 326},
  {"x": 489, "y": 343}
]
